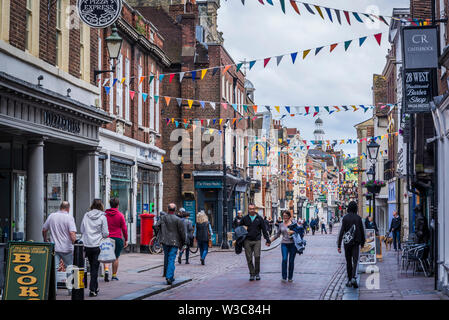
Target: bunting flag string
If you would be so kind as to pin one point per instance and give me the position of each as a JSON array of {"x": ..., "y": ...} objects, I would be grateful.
[
  {"x": 347, "y": 13},
  {"x": 202, "y": 72}
]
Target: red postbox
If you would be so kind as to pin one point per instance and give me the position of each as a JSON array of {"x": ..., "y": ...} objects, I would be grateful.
[{"x": 146, "y": 231}]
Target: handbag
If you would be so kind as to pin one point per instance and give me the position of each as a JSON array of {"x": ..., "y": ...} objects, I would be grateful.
[{"x": 107, "y": 250}]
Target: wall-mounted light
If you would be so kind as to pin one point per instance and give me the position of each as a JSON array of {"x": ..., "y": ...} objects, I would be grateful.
[{"x": 114, "y": 45}]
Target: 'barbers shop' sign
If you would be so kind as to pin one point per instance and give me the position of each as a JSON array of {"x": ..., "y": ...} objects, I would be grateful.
[{"x": 99, "y": 13}]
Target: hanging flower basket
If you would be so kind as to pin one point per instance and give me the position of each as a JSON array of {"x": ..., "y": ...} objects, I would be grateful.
[{"x": 373, "y": 186}]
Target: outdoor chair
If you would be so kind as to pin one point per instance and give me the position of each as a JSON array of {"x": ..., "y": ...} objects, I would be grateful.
[{"x": 417, "y": 256}]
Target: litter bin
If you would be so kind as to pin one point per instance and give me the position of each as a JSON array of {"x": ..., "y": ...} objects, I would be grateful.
[{"x": 146, "y": 231}]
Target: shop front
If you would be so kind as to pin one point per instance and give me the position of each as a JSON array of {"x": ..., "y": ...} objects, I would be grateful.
[
  {"x": 208, "y": 194},
  {"x": 48, "y": 154}
]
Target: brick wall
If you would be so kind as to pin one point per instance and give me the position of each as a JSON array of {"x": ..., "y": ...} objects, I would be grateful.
[
  {"x": 421, "y": 9},
  {"x": 17, "y": 25}
]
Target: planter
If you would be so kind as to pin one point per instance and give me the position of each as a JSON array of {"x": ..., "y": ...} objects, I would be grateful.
[{"x": 373, "y": 189}]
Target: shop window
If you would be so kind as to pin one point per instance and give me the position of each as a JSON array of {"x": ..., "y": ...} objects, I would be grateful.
[
  {"x": 5, "y": 155},
  {"x": 121, "y": 186}
]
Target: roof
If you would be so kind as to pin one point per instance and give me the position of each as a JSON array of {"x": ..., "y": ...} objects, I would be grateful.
[{"x": 318, "y": 120}]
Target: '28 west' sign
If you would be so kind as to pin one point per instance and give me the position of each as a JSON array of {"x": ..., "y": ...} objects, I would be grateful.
[{"x": 99, "y": 13}]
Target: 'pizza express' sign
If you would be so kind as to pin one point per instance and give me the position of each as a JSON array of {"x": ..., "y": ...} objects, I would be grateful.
[
  {"x": 28, "y": 271},
  {"x": 99, "y": 13}
]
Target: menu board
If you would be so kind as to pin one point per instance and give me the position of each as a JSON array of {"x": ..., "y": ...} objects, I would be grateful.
[
  {"x": 368, "y": 252},
  {"x": 30, "y": 271}
]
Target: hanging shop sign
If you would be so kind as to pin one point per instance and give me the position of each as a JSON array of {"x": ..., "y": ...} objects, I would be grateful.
[
  {"x": 258, "y": 153},
  {"x": 99, "y": 13},
  {"x": 420, "y": 47},
  {"x": 208, "y": 184},
  {"x": 418, "y": 90},
  {"x": 189, "y": 205},
  {"x": 30, "y": 271},
  {"x": 368, "y": 252}
]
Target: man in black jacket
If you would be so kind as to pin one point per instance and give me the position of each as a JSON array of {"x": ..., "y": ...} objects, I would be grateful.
[
  {"x": 255, "y": 225},
  {"x": 353, "y": 236},
  {"x": 396, "y": 228}
]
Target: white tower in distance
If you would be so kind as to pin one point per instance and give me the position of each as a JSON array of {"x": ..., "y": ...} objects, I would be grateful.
[{"x": 319, "y": 133}]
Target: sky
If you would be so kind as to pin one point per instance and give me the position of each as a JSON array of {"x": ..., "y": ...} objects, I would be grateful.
[{"x": 256, "y": 31}]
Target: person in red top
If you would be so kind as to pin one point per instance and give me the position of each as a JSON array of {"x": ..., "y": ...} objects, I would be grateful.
[{"x": 117, "y": 231}]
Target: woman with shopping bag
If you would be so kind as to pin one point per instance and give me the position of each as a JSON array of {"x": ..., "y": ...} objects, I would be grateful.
[{"x": 94, "y": 229}]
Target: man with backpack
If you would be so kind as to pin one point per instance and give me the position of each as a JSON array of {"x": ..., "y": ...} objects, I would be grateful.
[{"x": 353, "y": 235}]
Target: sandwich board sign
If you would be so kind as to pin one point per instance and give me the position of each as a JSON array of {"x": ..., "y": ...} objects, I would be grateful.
[
  {"x": 368, "y": 252},
  {"x": 30, "y": 271}
]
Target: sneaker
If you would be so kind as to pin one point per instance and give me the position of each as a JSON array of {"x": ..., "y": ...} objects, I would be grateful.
[
  {"x": 179, "y": 260},
  {"x": 202, "y": 261},
  {"x": 106, "y": 276},
  {"x": 257, "y": 277},
  {"x": 290, "y": 280},
  {"x": 187, "y": 262},
  {"x": 251, "y": 278},
  {"x": 114, "y": 278},
  {"x": 354, "y": 283},
  {"x": 170, "y": 281},
  {"x": 284, "y": 280},
  {"x": 349, "y": 284},
  {"x": 92, "y": 294}
]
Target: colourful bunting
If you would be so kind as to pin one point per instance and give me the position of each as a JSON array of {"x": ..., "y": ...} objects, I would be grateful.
[
  {"x": 171, "y": 77},
  {"x": 378, "y": 38},
  {"x": 361, "y": 41},
  {"x": 131, "y": 94},
  {"x": 347, "y": 44},
  {"x": 293, "y": 55},
  {"x": 190, "y": 102},
  {"x": 333, "y": 46},
  {"x": 265, "y": 62},
  {"x": 347, "y": 16},
  {"x": 107, "y": 89},
  {"x": 251, "y": 64},
  {"x": 294, "y": 6},
  {"x": 167, "y": 101},
  {"x": 282, "y": 5},
  {"x": 319, "y": 11},
  {"x": 278, "y": 59},
  {"x": 144, "y": 96},
  {"x": 305, "y": 53}
]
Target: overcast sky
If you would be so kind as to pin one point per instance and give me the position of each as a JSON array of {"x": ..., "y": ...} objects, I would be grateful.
[{"x": 256, "y": 31}]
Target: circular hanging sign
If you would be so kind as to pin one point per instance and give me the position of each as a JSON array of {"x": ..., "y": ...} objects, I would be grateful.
[{"x": 99, "y": 13}]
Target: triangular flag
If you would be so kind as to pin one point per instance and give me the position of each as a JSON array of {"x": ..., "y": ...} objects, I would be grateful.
[
  {"x": 261, "y": 1},
  {"x": 308, "y": 8},
  {"x": 172, "y": 75},
  {"x": 115, "y": 80},
  {"x": 307, "y": 110},
  {"x": 329, "y": 13},
  {"x": 277, "y": 108},
  {"x": 167, "y": 101},
  {"x": 141, "y": 79},
  {"x": 357, "y": 17},
  {"x": 333, "y": 46},
  {"x": 293, "y": 55},
  {"x": 282, "y": 5},
  {"x": 251, "y": 64},
  {"x": 144, "y": 96},
  {"x": 327, "y": 109},
  {"x": 319, "y": 11},
  {"x": 288, "y": 109},
  {"x": 270, "y": 2},
  {"x": 295, "y": 6},
  {"x": 347, "y": 44},
  {"x": 243, "y": 2},
  {"x": 123, "y": 80},
  {"x": 265, "y": 62},
  {"x": 107, "y": 89},
  {"x": 203, "y": 73},
  {"x": 239, "y": 66},
  {"x": 337, "y": 13},
  {"x": 383, "y": 20},
  {"x": 179, "y": 101},
  {"x": 212, "y": 104},
  {"x": 161, "y": 77},
  {"x": 214, "y": 71},
  {"x": 305, "y": 53},
  {"x": 361, "y": 41},
  {"x": 202, "y": 103},
  {"x": 151, "y": 79},
  {"x": 347, "y": 16},
  {"x": 190, "y": 102},
  {"x": 378, "y": 37},
  {"x": 156, "y": 98},
  {"x": 234, "y": 106},
  {"x": 318, "y": 50},
  {"x": 279, "y": 58},
  {"x": 226, "y": 68},
  {"x": 131, "y": 94},
  {"x": 224, "y": 105},
  {"x": 193, "y": 73},
  {"x": 255, "y": 108},
  {"x": 105, "y": 81}
]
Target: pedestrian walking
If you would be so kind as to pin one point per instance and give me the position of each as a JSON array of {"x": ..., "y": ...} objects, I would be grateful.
[
  {"x": 203, "y": 233},
  {"x": 371, "y": 224},
  {"x": 288, "y": 248},
  {"x": 173, "y": 235},
  {"x": 237, "y": 219},
  {"x": 395, "y": 226},
  {"x": 189, "y": 235},
  {"x": 255, "y": 226},
  {"x": 331, "y": 224},
  {"x": 117, "y": 231},
  {"x": 306, "y": 226},
  {"x": 313, "y": 226},
  {"x": 94, "y": 227},
  {"x": 323, "y": 226},
  {"x": 353, "y": 236},
  {"x": 270, "y": 224},
  {"x": 62, "y": 233}
]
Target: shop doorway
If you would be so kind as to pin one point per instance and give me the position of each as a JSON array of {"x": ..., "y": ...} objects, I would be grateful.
[
  {"x": 18, "y": 222},
  {"x": 58, "y": 187}
]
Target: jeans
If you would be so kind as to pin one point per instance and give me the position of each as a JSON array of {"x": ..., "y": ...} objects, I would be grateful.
[
  {"x": 397, "y": 238},
  {"x": 204, "y": 248},
  {"x": 252, "y": 247},
  {"x": 67, "y": 258},
  {"x": 352, "y": 257},
  {"x": 92, "y": 255},
  {"x": 170, "y": 253},
  {"x": 187, "y": 253},
  {"x": 288, "y": 255},
  {"x": 323, "y": 228}
]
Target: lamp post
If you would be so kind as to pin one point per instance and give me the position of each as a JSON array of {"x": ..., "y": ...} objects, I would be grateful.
[
  {"x": 373, "y": 152},
  {"x": 224, "y": 242},
  {"x": 114, "y": 45}
]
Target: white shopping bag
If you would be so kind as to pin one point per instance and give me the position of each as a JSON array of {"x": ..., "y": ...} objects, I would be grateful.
[{"x": 107, "y": 250}]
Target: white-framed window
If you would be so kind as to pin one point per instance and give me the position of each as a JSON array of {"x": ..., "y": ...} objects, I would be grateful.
[
  {"x": 223, "y": 86},
  {"x": 126, "y": 83},
  {"x": 152, "y": 104},
  {"x": 119, "y": 93},
  {"x": 157, "y": 105},
  {"x": 111, "y": 91},
  {"x": 59, "y": 22},
  {"x": 81, "y": 49},
  {"x": 29, "y": 25},
  {"x": 139, "y": 96}
]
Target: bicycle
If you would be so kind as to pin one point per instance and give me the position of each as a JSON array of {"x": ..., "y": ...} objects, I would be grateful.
[{"x": 155, "y": 246}]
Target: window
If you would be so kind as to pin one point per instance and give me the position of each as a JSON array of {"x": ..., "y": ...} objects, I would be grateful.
[
  {"x": 58, "y": 32},
  {"x": 29, "y": 25},
  {"x": 126, "y": 89},
  {"x": 111, "y": 91},
  {"x": 152, "y": 106},
  {"x": 223, "y": 87},
  {"x": 119, "y": 92},
  {"x": 157, "y": 105},
  {"x": 139, "y": 97}
]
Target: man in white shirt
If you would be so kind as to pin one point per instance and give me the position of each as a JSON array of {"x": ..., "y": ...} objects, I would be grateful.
[{"x": 62, "y": 233}]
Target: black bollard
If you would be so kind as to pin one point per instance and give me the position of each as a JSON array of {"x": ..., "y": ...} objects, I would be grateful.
[{"x": 78, "y": 271}]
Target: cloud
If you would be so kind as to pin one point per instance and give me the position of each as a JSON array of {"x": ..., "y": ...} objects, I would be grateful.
[{"x": 256, "y": 31}]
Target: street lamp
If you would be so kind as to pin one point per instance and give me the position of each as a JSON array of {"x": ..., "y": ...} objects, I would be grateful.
[
  {"x": 114, "y": 45},
  {"x": 373, "y": 152},
  {"x": 370, "y": 174},
  {"x": 373, "y": 149},
  {"x": 224, "y": 242}
]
